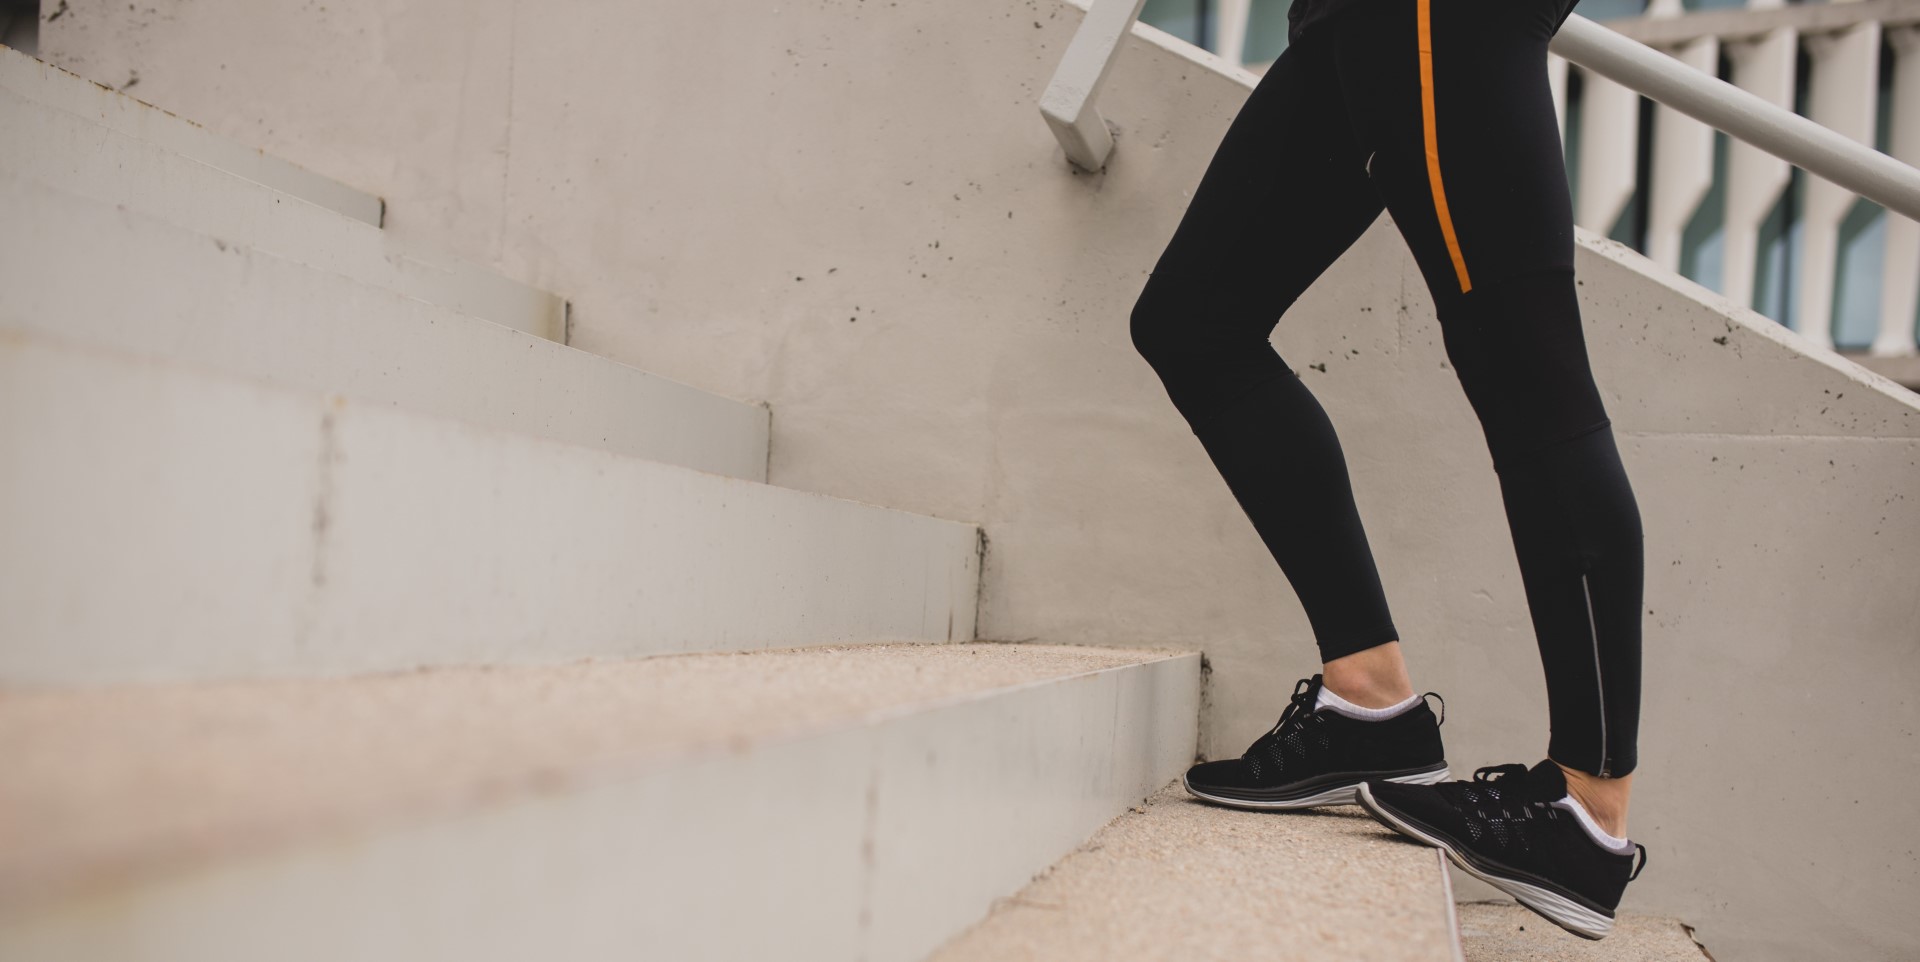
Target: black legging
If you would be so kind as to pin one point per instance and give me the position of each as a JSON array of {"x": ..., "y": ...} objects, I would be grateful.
[{"x": 1440, "y": 111}]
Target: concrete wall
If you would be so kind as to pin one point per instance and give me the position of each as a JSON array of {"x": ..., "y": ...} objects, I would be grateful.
[{"x": 852, "y": 209}]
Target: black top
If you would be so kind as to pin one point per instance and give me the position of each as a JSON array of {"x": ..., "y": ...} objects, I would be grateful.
[{"x": 1303, "y": 14}]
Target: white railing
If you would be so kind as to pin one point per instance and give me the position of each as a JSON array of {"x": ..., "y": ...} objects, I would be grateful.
[
  {"x": 1755, "y": 110},
  {"x": 1763, "y": 43},
  {"x": 1068, "y": 102}
]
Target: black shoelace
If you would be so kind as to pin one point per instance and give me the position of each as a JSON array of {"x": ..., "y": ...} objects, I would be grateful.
[
  {"x": 1298, "y": 717},
  {"x": 1523, "y": 808},
  {"x": 1302, "y": 714},
  {"x": 1299, "y": 713}
]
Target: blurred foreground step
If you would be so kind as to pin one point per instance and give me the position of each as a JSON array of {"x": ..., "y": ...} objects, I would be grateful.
[
  {"x": 1178, "y": 879},
  {"x": 84, "y": 269},
  {"x": 1506, "y": 932},
  {"x": 841, "y": 803},
  {"x": 167, "y": 523}
]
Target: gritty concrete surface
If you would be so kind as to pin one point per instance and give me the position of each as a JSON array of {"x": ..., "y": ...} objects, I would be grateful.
[
  {"x": 104, "y": 783},
  {"x": 1181, "y": 879},
  {"x": 1505, "y": 932}
]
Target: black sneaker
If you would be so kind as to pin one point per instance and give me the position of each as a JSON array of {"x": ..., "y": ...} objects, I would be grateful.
[
  {"x": 1504, "y": 829},
  {"x": 1320, "y": 757}
]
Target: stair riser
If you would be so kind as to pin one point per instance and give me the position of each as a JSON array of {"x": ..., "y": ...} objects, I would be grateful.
[
  {"x": 94, "y": 161},
  {"x": 877, "y": 843},
  {"x": 195, "y": 298},
  {"x": 168, "y": 524}
]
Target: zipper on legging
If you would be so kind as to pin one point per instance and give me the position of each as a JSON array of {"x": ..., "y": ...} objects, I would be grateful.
[{"x": 1593, "y": 632}]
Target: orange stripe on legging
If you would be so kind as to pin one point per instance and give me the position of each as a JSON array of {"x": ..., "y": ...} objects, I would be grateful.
[{"x": 1433, "y": 147}]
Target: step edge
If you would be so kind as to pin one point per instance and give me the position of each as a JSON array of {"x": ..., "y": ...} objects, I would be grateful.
[
  {"x": 546, "y": 314},
  {"x": 345, "y": 403},
  {"x": 142, "y": 870},
  {"x": 366, "y": 207},
  {"x": 753, "y": 411}
]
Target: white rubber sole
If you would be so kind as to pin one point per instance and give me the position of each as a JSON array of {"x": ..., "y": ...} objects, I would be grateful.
[
  {"x": 1554, "y": 907},
  {"x": 1338, "y": 795}
]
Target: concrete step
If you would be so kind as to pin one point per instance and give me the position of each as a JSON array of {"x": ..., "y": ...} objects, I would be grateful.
[
  {"x": 1505, "y": 932},
  {"x": 167, "y": 523},
  {"x": 116, "y": 164},
  {"x": 176, "y": 293},
  {"x": 862, "y": 802},
  {"x": 51, "y": 86},
  {"x": 1904, "y": 371},
  {"x": 1177, "y": 879}
]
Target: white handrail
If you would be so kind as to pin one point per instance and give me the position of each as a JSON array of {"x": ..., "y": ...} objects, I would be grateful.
[
  {"x": 1068, "y": 104},
  {"x": 1721, "y": 105}
]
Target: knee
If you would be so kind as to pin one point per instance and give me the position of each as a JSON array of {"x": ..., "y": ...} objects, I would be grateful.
[
  {"x": 1183, "y": 320},
  {"x": 1520, "y": 353},
  {"x": 1155, "y": 317}
]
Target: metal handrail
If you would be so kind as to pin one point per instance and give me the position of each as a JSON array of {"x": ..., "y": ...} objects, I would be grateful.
[
  {"x": 1068, "y": 104},
  {"x": 1732, "y": 24},
  {"x": 1723, "y": 106}
]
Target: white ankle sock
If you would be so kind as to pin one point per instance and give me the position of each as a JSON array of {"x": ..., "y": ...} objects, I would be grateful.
[
  {"x": 1327, "y": 699},
  {"x": 1599, "y": 835}
]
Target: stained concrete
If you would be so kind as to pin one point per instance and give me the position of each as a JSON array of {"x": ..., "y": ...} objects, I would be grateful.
[
  {"x": 1505, "y": 932},
  {"x": 1181, "y": 879},
  {"x": 102, "y": 784}
]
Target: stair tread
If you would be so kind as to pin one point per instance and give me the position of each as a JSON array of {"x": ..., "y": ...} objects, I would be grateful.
[
  {"x": 303, "y": 326},
  {"x": 105, "y": 784},
  {"x": 116, "y": 167},
  {"x": 1178, "y": 878},
  {"x": 1506, "y": 932}
]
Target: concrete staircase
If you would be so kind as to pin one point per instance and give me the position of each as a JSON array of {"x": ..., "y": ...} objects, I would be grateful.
[
  {"x": 853, "y": 210},
  {"x": 328, "y": 578},
  {"x": 326, "y": 575},
  {"x": 823, "y": 803},
  {"x": 350, "y": 614}
]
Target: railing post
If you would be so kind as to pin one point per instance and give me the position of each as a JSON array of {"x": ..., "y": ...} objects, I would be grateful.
[
  {"x": 1845, "y": 92},
  {"x": 1068, "y": 103},
  {"x": 1232, "y": 38},
  {"x": 1755, "y": 177},
  {"x": 1557, "y": 68},
  {"x": 1609, "y": 150},
  {"x": 1682, "y": 163},
  {"x": 1900, "y": 275}
]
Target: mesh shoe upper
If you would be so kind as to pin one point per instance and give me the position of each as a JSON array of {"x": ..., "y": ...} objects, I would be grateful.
[
  {"x": 1504, "y": 820},
  {"x": 1306, "y": 744}
]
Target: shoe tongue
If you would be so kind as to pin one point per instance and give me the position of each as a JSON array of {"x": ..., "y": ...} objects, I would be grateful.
[{"x": 1548, "y": 780}]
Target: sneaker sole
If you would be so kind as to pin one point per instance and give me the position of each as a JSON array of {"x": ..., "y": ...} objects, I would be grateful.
[
  {"x": 1548, "y": 904},
  {"x": 1340, "y": 794}
]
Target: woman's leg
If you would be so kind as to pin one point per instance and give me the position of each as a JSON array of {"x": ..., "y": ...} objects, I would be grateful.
[
  {"x": 1285, "y": 194},
  {"x": 1451, "y": 99}
]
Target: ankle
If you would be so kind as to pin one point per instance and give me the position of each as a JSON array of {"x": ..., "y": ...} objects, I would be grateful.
[
  {"x": 1373, "y": 678},
  {"x": 1604, "y": 798}
]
